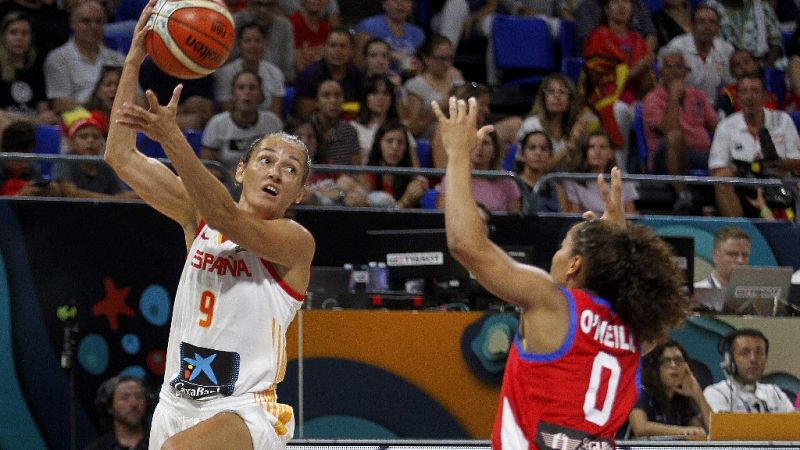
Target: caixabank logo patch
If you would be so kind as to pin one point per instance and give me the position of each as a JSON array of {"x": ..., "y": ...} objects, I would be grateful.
[{"x": 205, "y": 372}]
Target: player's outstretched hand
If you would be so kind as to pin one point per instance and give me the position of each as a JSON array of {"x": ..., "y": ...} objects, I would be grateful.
[
  {"x": 458, "y": 131},
  {"x": 612, "y": 199},
  {"x": 138, "y": 51},
  {"x": 158, "y": 122}
]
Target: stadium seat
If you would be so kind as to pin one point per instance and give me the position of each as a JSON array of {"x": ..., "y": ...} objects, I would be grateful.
[
  {"x": 568, "y": 40},
  {"x": 428, "y": 200},
  {"x": 424, "y": 152},
  {"x": 654, "y": 5},
  {"x": 524, "y": 50},
  {"x": 287, "y": 104},
  {"x": 148, "y": 146},
  {"x": 48, "y": 140},
  {"x": 638, "y": 142},
  {"x": 195, "y": 138},
  {"x": 511, "y": 157},
  {"x": 775, "y": 81},
  {"x": 571, "y": 67}
]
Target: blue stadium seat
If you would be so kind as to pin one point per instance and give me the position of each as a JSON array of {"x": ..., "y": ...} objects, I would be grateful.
[
  {"x": 638, "y": 142},
  {"x": 48, "y": 140},
  {"x": 511, "y": 157},
  {"x": 287, "y": 104},
  {"x": 654, "y": 5},
  {"x": 568, "y": 40},
  {"x": 424, "y": 152},
  {"x": 152, "y": 148},
  {"x": 428, "y": 200},
  {"x": 795, "y": 115},
  {"x": 571, "y": 67},
  {"x": 523, "y": 45},
  {"x": 775, "y": 81},
  {"x": 195, "y": 138}
]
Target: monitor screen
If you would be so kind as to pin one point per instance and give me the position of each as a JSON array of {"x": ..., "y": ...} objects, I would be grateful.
[
  {"x": 417, "y": 253},
  {"x": 683, "y": 249}
]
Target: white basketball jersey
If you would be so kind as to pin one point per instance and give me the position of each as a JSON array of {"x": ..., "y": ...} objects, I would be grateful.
[{"x": 228, "y": 332}]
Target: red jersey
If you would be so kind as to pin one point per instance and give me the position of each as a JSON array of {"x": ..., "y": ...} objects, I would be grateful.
[{"x": 577, "y": 396}]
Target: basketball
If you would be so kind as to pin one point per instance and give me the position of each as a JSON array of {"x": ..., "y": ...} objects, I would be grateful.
[{"x": 189, "y": 38}]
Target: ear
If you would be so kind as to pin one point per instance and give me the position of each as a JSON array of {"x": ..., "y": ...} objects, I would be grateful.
[
  {"x": 300, "y": 195},
  {"x": 239, "y": 175},
  {"x": 575, "y": 265}
]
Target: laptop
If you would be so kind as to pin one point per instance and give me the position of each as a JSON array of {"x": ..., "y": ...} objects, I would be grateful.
[
  {"x": 328, "y": 287},
  {"x": 728, "y": 426},
  {"x": 760, "y": 291}
]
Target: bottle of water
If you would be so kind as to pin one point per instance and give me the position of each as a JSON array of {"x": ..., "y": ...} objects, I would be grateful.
[{"x": 351, "y": 284}]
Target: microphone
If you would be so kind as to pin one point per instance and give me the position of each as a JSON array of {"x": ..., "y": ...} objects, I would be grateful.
[{"x": 68, "y": 315}]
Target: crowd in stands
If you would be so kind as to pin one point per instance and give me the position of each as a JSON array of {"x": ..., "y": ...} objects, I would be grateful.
[{"x": 350, "y": 86}]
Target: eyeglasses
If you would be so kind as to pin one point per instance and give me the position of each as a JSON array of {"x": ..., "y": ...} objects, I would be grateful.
[
  {"x": 678, "y": 361},
  {"x": 553, "y": 92}
]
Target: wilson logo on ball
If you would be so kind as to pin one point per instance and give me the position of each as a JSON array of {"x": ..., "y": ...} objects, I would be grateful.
[{"x": 189, "y": 38}]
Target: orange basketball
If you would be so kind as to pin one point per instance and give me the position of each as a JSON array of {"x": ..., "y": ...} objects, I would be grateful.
[{"x": 190, "y": 38}]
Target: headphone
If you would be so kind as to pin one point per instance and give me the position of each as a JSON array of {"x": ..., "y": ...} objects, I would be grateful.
[{"x": 728, "y": 365}]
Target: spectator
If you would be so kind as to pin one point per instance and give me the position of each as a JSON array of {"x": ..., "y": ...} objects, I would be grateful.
[
  {"x": 377, "y": 61},
  {"x": 557, "y": 110},
  {"x": 792, "y": 100},
  {"x": 678, "y": 121},
  {"x": 393, "y": 27},
  {"x": 741, "y": 63},
  {"x": 755, "y": 134},
  {"x": 280, "y": 35},
  {"x": 391, "y": 148},
  {"x": 731, "y": 249},
  {"x": 336, "y": 64},
  {"x": 252, "y": 43},
  {"x": 339, "y": 140},
  {"x": 595, "y": 156},
  {"x": 671, "y": 402},
  {"x": 590, "y": 14},
  {"x": 534, "y": 160},
  {"x": 377, "y": 105},
  {"x": 672, "y": 20},
  {"x": 103, "y": 94},
  {"x": 744, "y": 359},
  {"x": 72, "y": 70},
  {"x": 497, "y": 194},
  {"x": 20, "y": 177},
  {"x": 330, "y": 10},
  {"x": 705, "y": 53},
  {"x": 751, "y": 25},
  {"x": 88, "y": 180},
  {"x": 310, "y": 31},
  {"x": 49, "y": 22},
  {"x": 229, "y": 134},
  {"x": 22, "y": 87},
  {"x": 438, "y": 77},
  {"x": 123, "y": 400},
  {"x": 197, "y": 102},
  {"x": 611, "y": 91}
]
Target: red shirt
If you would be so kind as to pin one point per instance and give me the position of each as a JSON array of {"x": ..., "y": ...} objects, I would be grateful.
[
  {"x": 585, "y": 389},
  {"x": 304, "y": 36}
]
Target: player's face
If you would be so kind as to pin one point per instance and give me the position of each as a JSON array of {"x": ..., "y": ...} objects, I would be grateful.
[
  {"x": 536, "y": 153},
  {"x": 750, "y": 356},
  {"x": 17, "y": 38},
  {"x": 128, "y": 406},
  {"x": 672, "y": 367},
  {"x": 730, "y": 253},
  {"x": 272, "y": 178},
  {"x": 88, "y": 140},
  {"x": 393, "y": 147}
]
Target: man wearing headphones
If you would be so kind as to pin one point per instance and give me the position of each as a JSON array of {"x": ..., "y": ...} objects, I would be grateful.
[
  {"x": 744, "y": 358},
  {"x": 122, "y": 400}
]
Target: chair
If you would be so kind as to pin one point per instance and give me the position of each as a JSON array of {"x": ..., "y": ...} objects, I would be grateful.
[
  {"x": 522, "y": 47},
  {"x": 511, "y": 157},
  {"x": 567, "y": 39},
  {"x": 195, "y": 138},
  {"x": 637, "y": 128},
  {"x": 795, "y": 115},
  {"x": 654, "y": 5},
  {"x": 424, "y": 152},
  {"x": 287, "y": 104},
  {"x": 148, "y": 146},
  {"x": 48, "y": 141},
  {"x": 428, "y": 200},
  {"x": 571, "y": 67},
  {"x": 775, "y": 81}
]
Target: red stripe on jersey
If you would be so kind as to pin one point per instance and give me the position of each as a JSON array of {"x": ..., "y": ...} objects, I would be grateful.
[
  {"x": 199, "y": 228},
  {"x": 271, "y": 269}
]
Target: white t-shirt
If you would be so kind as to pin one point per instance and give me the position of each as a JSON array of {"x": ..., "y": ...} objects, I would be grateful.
[
  {"x": 730, "y": 396},
  {"x": 732, "y": 140},
  {"x": 230, "y": 141},
  {"x": 705, "y": 74},
  {"x": 68, "y": 74}
]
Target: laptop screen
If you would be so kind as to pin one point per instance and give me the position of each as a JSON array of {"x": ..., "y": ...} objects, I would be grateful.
[{"x": 758, "y": 291}]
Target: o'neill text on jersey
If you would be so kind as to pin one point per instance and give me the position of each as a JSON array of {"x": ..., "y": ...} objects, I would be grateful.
[{"x": 609, "y": 335}]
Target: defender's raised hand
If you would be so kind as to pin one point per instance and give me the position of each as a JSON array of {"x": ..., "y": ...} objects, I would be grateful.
[{"x": 459, "y": 130}]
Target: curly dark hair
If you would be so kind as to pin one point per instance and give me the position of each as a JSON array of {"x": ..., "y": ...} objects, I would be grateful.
[
  {"x": 651, "y": 378},
  {"x": 633, "y": 270}
]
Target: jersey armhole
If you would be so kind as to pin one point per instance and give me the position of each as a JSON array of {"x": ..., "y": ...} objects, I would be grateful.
[
  {"x": 199, "y": 228},
  {"x": 274, "y": 273}
]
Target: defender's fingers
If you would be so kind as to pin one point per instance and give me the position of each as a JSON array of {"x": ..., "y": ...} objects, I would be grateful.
[
  {"x": 472, "y": 113},
  {"x": 462, "y": 111},
  {"x": 589, "y": 215},
  {"x": 437, "y": 111},
  {"x": 486, "y": 129},
  {"x": 453, "y": 108},
  {"x": 603, "y": 186},
  {"x": 176, "y": 96},
  {"x": 152, "y": 100},
  {"x": 616, "y": 183}
]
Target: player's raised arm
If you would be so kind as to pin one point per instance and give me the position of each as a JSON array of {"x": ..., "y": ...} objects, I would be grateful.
[
  {"x": 467, "y": 239},
  {"x": 152, "y": 181}
]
